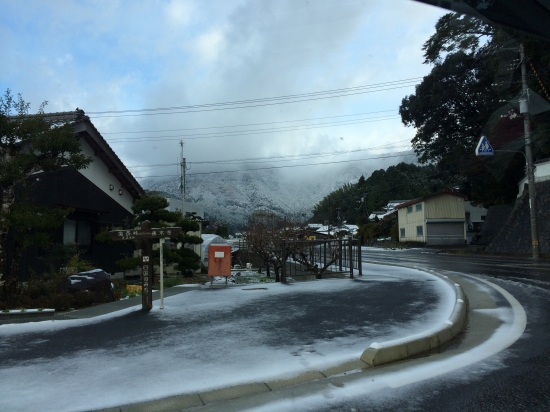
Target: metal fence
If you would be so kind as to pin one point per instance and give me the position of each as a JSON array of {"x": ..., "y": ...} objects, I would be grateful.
[{"x": 321, "y": 258}]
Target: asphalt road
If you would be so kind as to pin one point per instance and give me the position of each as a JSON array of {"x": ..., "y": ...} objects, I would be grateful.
[
  {"x": 520, "y": 379},
  {"x": 526, "y": 270}
]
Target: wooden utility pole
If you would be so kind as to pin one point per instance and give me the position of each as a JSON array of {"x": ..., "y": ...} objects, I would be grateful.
[{"x": 524, "y": 109}]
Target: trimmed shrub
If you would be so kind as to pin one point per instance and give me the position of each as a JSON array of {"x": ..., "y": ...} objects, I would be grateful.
[{"x": 61, "y": 301}]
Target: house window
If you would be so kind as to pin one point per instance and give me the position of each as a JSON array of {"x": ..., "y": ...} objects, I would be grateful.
[
  {"x": 78, "y": 232},
  {"x": 83, "y": 233},
  {"x": 402, "y": 232},
  {"x": 69, "y": 232},
  {"x": 409, "y": 209},
  {"x": 419, "y": 231},
  {"x": 419, "y": 207}
]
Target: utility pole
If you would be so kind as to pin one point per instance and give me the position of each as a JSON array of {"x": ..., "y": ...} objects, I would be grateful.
[
  {"x": 524, "y": 109},
  {"x": 182, "y": 180}
]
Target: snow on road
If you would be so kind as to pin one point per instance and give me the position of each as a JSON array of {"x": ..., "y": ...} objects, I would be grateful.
[
  {"x": 375, "y": 389},
  {"x": 207, "y": 339}
]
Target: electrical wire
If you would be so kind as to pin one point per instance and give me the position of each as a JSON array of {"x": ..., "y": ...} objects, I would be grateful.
[
  {"x": 260, "y": 100},
  {"x": 256, "y": 105},
  {"x": 281, "y": 167},
  {"x": 247, "y": 132},
  {"x": 249, "y": 124},
  {"x": 270, "y": 159}
]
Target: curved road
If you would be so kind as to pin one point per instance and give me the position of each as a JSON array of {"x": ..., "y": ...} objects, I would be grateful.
[
  {"x": 483, "y": 377},
  {"x": 516, "y": 379}
]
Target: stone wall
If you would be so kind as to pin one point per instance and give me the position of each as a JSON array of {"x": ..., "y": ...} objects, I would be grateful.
[
  {"x": 496, "y": 216},
  {"x": 515, "y": 235}
]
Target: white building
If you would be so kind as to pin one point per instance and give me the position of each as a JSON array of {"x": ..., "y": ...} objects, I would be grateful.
[
  {"x": 542, "y": 173},
  {"x": 436, "y": 219}
]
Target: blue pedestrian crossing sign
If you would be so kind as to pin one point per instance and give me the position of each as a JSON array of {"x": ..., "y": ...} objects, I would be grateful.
[{"x": 484, "y": 148}]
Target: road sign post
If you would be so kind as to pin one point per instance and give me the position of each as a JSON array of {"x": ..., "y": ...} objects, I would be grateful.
[
  {"x": 145, "y": 234},
  {"x": 484, "y": 148}
]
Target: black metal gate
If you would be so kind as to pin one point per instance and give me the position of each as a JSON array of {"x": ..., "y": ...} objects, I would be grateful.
[{"x": 321, "y": 258}]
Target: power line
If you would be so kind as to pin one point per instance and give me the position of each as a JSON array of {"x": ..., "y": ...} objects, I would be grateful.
[
  {"x": 247, "y": 132},
  {"x": 283, "y": 167},
  {"x": 249, "y": 124},
  {"x": 270, "y": 158},
  {"x": 260, "y": 160},
  {"x": 256, "y": 105},
  {"x": 271, "y": 161},
  {"x": 257, "y": 100}
]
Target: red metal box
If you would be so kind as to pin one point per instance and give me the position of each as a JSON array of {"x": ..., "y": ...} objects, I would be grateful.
[{"x": 219, "y": 260}]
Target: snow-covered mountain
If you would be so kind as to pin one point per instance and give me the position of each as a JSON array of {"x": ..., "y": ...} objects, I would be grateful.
[{"x": 232, "y": 197}]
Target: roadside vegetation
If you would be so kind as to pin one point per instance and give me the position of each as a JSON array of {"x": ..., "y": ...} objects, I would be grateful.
[{"x": 472, "y": 90}]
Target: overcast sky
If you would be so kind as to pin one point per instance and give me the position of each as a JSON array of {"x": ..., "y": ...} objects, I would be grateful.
[{"x": 112, "y": 55}]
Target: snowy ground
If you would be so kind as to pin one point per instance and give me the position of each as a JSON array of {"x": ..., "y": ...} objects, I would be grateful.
[
  {"x": 208, "y": 338},
  {"x": 399, "y": 388},
  {"x": 388, "y": 249}
]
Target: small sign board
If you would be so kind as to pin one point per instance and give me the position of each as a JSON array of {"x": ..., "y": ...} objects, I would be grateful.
[
  {"x": 145, "y": 233},
  {"x": 484, "y": 148},
  {"x": 149, "y": 233}
]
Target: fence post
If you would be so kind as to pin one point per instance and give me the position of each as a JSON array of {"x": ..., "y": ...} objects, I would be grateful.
[
  {"x": 325, "y": 253},
  {"x": 340, "y": 252},
  {"x": 283, "y": 269},
  {"x": 359, "y": 259},
  {"x": 350, "y": 245}
]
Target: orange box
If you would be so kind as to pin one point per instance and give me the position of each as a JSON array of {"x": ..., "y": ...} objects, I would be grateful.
[{"x": 219, "y": 260}]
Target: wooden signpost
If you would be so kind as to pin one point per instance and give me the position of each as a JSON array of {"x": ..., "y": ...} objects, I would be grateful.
[{"x": 145, "y": 234}]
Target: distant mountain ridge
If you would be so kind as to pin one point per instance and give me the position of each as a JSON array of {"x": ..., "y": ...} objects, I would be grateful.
[{"x": 232, "y": 197}]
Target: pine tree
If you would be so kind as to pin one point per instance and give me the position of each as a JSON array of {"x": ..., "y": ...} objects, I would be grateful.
[
  {"x": 153, "y": 209},
  {"x": 29, "y": 145}
]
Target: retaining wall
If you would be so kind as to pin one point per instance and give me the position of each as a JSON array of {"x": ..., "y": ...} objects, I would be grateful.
[{"x": 515, "y": 235}]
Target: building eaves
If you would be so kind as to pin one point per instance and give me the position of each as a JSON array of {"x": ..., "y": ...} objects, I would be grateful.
[
  {"x": 423, "y": 198},
  {"x": 85, "y": 129}
]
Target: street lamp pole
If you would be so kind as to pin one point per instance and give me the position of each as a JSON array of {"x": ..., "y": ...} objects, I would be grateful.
[{"x": 524, "y": 109}]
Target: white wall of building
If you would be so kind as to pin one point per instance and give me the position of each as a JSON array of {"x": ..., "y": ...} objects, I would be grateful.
[
  {"x": 542, "y": 173},
  {"x": 409, "y": 218},
  {"x": 98, "y": 173},
  {"x": 474, "y": 214}
]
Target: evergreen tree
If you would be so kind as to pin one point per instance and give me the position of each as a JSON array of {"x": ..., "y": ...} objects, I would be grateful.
[
  {"x": 29, "y": 145},
  {"x": 404, "y": 181},
  {"x": 471, "y": 91},
  {"x": 153, "y": 209}
]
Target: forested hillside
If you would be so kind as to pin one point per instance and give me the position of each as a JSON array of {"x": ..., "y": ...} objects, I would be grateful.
[
  {"x": 473, "y": 90},
  {"x": 354, "y": 202}
]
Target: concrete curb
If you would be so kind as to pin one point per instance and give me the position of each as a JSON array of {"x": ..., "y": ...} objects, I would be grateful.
[
  {"x": 375, "y": 355},
  {"x": 28, "y": 315},
  {"x": 387, "y": 352}
]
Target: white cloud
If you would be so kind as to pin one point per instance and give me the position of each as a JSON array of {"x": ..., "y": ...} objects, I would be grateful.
[
  {"x": 179, "y": 12},
  {"x": 128, "y": 55},
  {"x": 210, "y": 45}
]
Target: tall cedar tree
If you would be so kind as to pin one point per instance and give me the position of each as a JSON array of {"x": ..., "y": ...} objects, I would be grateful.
[
  {"x": 153, "y": 209},
  {"x": 475, "y": 71},
  {"x": 29, "y": 145}
]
